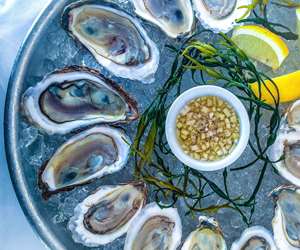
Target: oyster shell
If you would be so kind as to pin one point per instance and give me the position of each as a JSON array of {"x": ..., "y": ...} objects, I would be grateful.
[
  {"x": 175, "y": 17},
  {"x": 255, "y": 238},
  {"x": 220, "y": 15},
  {"x": 106, "y": 214},
  {"x": 293, "y": 115},
  {"x": 91, "y": 154},
  {"x": 286, "y": 222},
  {"x": 76, "y": 97},
  {"x": 116, "y": 39},
  {"x": 287, "y": 144},
  {"x": 154, "y": 228},
  {"x": 208, "y": 236}
]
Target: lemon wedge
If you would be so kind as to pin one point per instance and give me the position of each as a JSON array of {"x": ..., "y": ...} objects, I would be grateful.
[
  {"x": 261, "y": 44},
  {"x": 287, "y": 85}
]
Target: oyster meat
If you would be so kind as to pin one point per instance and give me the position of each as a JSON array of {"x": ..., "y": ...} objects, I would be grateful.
[
  {"x": 155, "y": 229},
  {"x": 76, "y": 97},
  {"x": 116, "y": 39},
  {"x": 255, "y": 238},
  {"x": 286, "y": 222},
  {"x": 174, "y": 17},
  {"x": 91, "y": 154},
  {"x": 208, "y": 236},
  {"x": 106, "y": 214},
  {"x": 287, "y": 144},
  {"x": 220, "y": 15}
]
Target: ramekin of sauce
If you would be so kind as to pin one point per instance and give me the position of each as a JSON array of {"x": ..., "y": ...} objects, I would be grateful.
[{"x": 207, "y": 128}]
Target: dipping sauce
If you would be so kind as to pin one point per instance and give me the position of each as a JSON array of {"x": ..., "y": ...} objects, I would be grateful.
[{"x": 208, "y": 128}]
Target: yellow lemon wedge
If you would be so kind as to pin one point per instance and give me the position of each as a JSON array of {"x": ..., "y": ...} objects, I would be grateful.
[
  {"x": 287, "y": 85},
  {"x": 261, "y": 44}
]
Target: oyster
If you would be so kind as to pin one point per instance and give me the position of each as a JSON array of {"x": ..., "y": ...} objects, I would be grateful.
[
  {"x": 76, "y": 97},
  {"x": 116, "y": 39},
  {"x": 91, "y": 154},
  {"x": 208, "y": 236},
  {"x": 255, "y": 238},
  {"x": 175, "y": 17},
  {"x": 287, "y": 144},
  {"x": 293, "y": 115},
  {"x": 286, "y": 222},
  {"x": 154, "y": 229},
  {"x": 106, "y": 214},
  {"x": 220, "y": 15}
]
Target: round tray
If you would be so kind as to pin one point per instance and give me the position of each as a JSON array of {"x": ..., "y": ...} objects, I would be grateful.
[
  {"x": 37, "y": 217},
  {"x": 48, "y": 47}
]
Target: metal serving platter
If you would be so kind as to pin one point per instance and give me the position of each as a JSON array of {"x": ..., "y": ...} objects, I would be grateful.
[{"x": 47, "y": 48}]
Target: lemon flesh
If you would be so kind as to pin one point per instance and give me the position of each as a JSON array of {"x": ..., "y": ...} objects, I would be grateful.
[
  {"x": 288, "y": 87},
  {"x": 261, "y": 44}
]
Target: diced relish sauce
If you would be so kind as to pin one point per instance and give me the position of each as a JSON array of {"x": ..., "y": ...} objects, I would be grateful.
[{"x": 208, "y": 128}]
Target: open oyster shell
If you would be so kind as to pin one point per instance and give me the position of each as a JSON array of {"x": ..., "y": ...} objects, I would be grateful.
[
  {"x": 287, "y": 145},
  {"x": 286, "y": 222},
  {"x": 106, "y": 214},
  {"x": 117, "y": 40},
  {"x": 208, "y": 236},
  {"x": 175, "y": 18},
  {"x": 154, "y": 228},
  {"x": 91, "y": 154},
  {"x": 76, "y": 97},
  {"x": 255, "y": 238},
  {"x": 220, "y": 15}
]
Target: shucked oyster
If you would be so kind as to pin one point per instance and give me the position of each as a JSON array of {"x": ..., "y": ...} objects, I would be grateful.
[
  {"x": 208, "y": 236},
  {"x": 116, "y": 39},
  {"x": 175, "y": 17},
  {"x": 154, "y": 229},
  {"x": 91, "y": 154},
  {"x": 106, "y": 215},
  {"x": 287, "y": 144},
  {"x": 220, "y": 15},
  {"x": 293, "y": 116},
  {"x": 255, "y": 238},
  {"x": 286, "y": 222},
  {"x": 76, "y": 97}
]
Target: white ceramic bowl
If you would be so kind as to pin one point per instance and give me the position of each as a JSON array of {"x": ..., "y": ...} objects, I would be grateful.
[{"x": 182, "y": 101}]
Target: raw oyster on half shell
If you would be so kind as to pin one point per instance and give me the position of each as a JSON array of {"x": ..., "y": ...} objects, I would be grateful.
[
  {"x": 220, "y": 15},
  {"x": 154, "y": 229},
  {"x": 175, "y": 17},
  {"x": 76, "y": 97},
  {"x": 255, "y": 238},
  {"x": 293, "y": 116},
  {"x": 106, "y": 214},
  {"x": 285, "y": 152},
  {"x": 117, "y": 40},
  {"x": 286, "y": 222},
  {"x": 208, "y": 236},
  {"x": 91, "y": 154}
]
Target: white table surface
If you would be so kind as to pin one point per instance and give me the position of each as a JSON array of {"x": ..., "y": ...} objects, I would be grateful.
[{"x": 16, "y": 17}]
